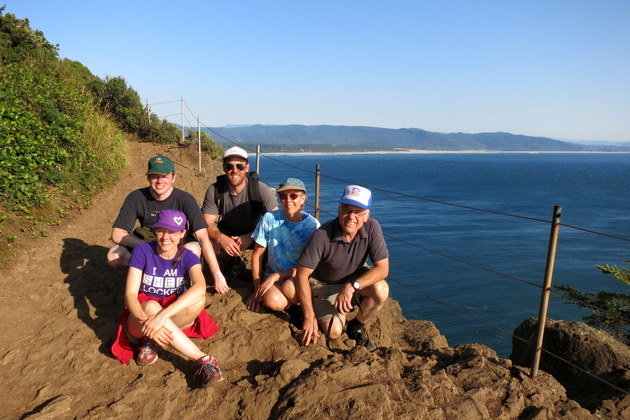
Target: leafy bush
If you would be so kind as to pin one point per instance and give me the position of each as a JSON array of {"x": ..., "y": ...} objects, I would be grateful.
[
  {"x": 207, "y": 144},
  {"x": 160, "y": 131},
  {"x": 40, "y": 123},
  {"x": 122, "y": 103}
]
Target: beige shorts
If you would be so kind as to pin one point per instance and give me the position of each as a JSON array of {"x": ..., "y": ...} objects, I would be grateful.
[{"x": 324, "y": 296}]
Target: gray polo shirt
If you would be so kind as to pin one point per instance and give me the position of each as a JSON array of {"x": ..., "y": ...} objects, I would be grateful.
[{"x": 335, "y": 260}]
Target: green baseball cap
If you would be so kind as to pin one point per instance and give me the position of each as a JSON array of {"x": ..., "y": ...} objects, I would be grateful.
[{"x": 160, "y": 165}]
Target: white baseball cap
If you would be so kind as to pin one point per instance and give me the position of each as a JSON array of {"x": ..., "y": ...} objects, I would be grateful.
[
  {"x": 358, "y": 196},
  {"x": 235, "y": 151}
]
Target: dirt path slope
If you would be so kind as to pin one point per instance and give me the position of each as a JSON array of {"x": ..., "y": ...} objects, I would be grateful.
[{"x": 60, "y": 301}]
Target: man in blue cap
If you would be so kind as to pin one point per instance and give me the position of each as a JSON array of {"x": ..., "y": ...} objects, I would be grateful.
[
  {"x": 144, "y": 205},
  {"x": 331, "y": 271}
]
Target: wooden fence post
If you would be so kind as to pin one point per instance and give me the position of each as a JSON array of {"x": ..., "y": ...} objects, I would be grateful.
[{"x": 546, "y": 291}]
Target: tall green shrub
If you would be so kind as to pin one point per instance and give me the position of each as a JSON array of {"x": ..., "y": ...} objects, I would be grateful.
[{"x": 40, "y": 123}]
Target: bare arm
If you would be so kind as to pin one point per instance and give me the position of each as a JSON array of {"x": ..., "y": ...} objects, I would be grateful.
[
  {"x": 310, "y": 329},
  {"x": 379, "y": 272},
  {"x": 207, "y": 250},
  {"x": 257, "y": 258},
  {"x": 254, "y": 303},
  {"x": 132, "y": 286},
  {"x": 122, "y": 237},
  {"x": 155, "y": 323}
]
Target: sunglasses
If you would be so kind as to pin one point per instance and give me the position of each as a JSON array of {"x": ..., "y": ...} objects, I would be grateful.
[
  {"x": 229, "y": 166},
  {"x": 292, "y": 196}
]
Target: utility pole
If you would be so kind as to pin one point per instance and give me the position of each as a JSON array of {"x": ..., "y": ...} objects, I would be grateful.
[
  {"x": 199, "y": 140},
  {"x": 148, "y": 112},
  {"x": 182, "y": 114}
]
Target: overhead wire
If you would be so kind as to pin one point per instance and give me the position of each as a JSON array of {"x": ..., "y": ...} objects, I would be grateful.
[
  {"x": 162, "y": 103},
  {"x": 466, "y": 262},
  {"x": 440, "y": 253}
]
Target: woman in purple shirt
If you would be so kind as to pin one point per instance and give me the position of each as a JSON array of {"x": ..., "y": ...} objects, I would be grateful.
[{"x": 165, "y": 296}]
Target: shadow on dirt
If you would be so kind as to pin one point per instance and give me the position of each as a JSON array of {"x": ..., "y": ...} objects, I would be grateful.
[{"x": 97, "y": 289}]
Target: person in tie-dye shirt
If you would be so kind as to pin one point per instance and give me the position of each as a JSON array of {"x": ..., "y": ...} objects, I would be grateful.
[{"x": 281, "y": 234}]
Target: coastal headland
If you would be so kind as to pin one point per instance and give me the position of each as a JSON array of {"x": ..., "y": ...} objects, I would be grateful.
[{"x": 62, "y": 303}]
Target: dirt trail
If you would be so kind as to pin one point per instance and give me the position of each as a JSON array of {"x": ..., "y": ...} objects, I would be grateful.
[{"x": 60, "y": 301}]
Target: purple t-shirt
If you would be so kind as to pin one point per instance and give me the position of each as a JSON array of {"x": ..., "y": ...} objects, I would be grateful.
[{"x": 159, "y": 277}]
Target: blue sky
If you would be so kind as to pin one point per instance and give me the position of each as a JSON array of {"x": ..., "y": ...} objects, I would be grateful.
[{"x": 554, "y": 68}]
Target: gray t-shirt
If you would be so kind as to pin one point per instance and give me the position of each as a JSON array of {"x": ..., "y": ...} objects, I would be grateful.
[
  {"x": 238, "y": 214},
  {"x": 335, "y": 260}
]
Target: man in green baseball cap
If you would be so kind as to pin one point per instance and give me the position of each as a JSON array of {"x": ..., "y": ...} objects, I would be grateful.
[
  {"x": 161, "y": 165},
  {"x": 144, "y": 205}
]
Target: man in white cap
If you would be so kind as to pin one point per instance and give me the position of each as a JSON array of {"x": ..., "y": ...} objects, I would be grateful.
[
  {"x": 331, "y": 271},
  {"x": 236, "y": 201}
]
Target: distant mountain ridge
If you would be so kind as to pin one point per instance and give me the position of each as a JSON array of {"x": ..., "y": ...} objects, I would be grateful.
[{"x": 293, "y": 138}]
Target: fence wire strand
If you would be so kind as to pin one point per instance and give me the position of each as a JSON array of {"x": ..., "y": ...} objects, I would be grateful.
[{"x": 375, "y": 188}]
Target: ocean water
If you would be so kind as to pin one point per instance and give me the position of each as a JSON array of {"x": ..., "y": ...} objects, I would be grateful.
[{"x": 463, "y": 269}]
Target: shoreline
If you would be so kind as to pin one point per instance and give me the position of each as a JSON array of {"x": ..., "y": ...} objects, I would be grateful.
[{"x": 421, "y": 151}]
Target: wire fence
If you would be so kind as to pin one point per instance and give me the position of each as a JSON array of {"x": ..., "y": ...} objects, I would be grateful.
[{"x": 444, "y": 255}]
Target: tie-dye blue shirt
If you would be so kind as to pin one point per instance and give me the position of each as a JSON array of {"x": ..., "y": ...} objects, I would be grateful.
[{"x": 283, "y": 239}]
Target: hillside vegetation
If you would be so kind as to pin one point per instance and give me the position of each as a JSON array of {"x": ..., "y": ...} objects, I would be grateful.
[{"x": 63, "y": 133}]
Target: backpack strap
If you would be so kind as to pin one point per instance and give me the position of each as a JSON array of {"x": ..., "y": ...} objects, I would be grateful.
[
  {"x": 253, "y": 192},
  {"x": 220, "y": 187}
]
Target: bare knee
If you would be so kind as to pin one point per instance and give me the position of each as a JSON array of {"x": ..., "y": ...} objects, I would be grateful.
[
  {"x": 118, "y": 256},
  {"x": 275, "y": 300},
  {"x": 246, "y": 241},
  {"x": 151, "y": 307},
  {"x": 194, "y": 247},
  {"x": 198, "y": 305},
  {"x": 379, "y": 291},
  {"x": 288, "y": 289},
  {"x": 332, "y": 328}
]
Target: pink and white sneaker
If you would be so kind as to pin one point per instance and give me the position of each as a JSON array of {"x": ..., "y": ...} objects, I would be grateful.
[{"x": 209, "y": 370}]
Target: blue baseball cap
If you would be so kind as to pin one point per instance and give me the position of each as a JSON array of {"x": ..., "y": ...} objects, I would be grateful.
[
  {"x": 355, "y": 195},
  {"x": 291, "y": 184}
]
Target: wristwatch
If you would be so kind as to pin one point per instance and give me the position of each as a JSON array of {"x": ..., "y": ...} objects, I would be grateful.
[{"x": 356, "y": 285}]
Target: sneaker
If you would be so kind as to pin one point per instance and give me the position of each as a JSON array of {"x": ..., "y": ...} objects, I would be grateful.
[
  {"x": 147, "y": 354},
  {"x": 209, "y": 370},
  {"x": 357, "y": 332}
]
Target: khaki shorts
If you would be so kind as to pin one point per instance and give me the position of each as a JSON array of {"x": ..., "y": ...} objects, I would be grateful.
[{"x": 324, "y": 296}]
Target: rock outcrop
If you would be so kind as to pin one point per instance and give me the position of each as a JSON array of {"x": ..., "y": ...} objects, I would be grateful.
[{"x": 584, "y": 360}]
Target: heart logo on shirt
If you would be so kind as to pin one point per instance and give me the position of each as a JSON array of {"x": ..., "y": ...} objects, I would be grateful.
[{"x": 178, "y": 220}]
